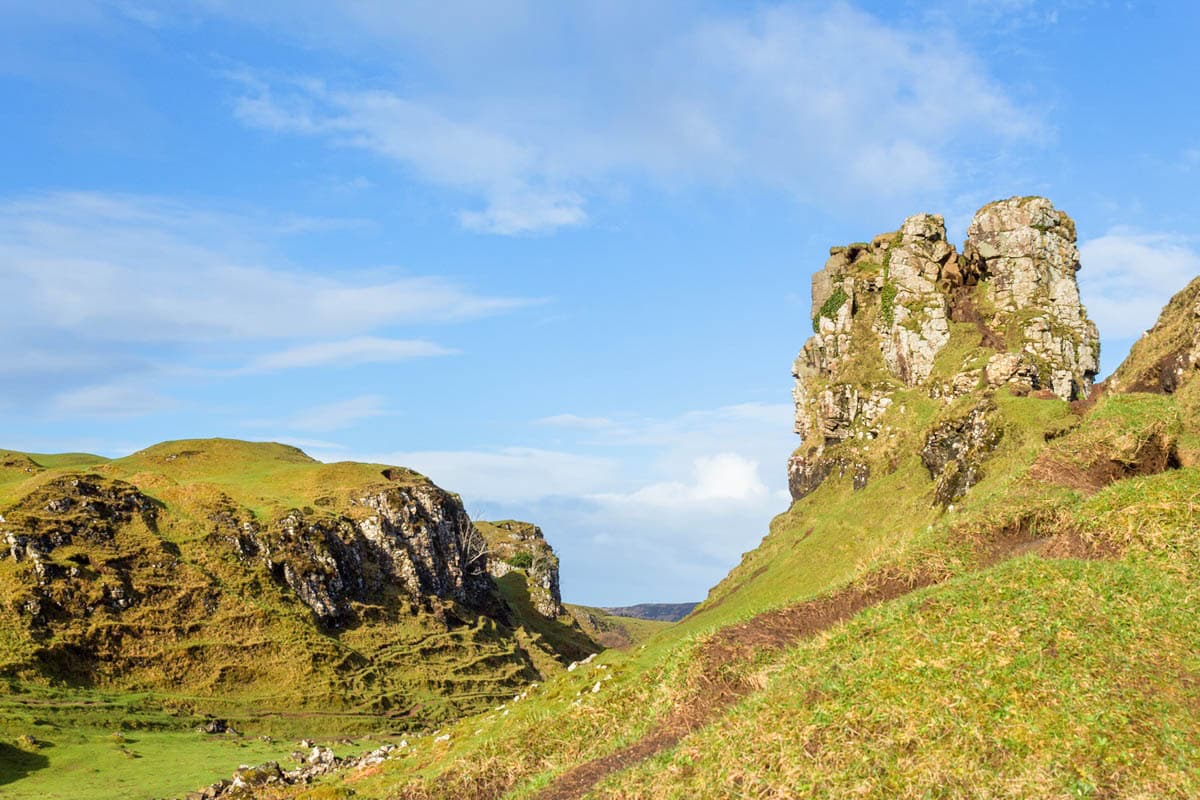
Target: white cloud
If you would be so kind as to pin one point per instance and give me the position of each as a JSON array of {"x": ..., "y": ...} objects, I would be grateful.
[
  {"x": 340, "y": 415},
  {"x": 106, "y": 289},
  {"x": 576, "y": 421},
  {"x": 1128, "y": 276},
  {"x": 813, "y": 102},
  {"x": 146, "y": 270},
  {"x": 110, "y": 400},
  {"x": 721, "y": 478},
  {"x": 508, "y": 475},
  {"x": 625, "y": 498},
  {"x": 347, "y": 352}
]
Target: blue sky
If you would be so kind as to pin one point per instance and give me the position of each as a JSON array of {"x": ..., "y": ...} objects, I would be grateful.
[{"x": 554, "y": 255}]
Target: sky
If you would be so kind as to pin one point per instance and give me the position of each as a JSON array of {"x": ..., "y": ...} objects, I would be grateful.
[{"x": 556, "y": 256}]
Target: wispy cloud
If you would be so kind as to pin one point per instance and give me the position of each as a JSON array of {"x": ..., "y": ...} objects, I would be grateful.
[
  {"x": 626, "y": 496},
  {"x": 511, "y": 474},
  {"x": 340, "y": 415},
  {"x": 812, "y": 102},
  {"x": 110, "y": 400},
  {"x": 100, "y": 289},
  {"x": 347, "y": 353},
  {"x": 1127, "y": 276},
  {"x": 577, "y": 422},
  {"x": 142, "y": 269}
]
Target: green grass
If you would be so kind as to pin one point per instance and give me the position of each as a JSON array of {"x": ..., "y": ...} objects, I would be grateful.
[
  {"x": 211, "y": 633},
  {"x": 1030, "y": 677},
  {"x": 1033, "y": 679}
]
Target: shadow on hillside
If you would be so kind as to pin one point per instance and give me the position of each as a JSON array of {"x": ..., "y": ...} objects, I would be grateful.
[
  {"x": 571, "y": 643},
  {"x": 16, "y": 764}
]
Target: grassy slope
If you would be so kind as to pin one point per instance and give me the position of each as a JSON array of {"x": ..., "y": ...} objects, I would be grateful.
[
  {"x": 1033, "y": 677},
  {"x": 253, "y": 656},
  {"x": 1055, "y": 677}
]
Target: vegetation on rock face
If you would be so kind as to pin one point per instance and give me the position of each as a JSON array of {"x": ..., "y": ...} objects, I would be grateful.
[{"x": 830, "y": 307}]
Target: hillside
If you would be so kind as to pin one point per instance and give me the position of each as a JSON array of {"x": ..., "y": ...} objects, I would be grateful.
[
  {"x": 983, "y": 586},
  {"x": 246, "y": 579},
  {"x": 615, "y": 631}
]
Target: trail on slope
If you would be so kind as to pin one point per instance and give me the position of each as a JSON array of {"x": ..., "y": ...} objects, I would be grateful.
[{"x": 776, "y": 630}]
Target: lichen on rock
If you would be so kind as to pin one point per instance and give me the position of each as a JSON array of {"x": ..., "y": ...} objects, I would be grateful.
[
  {"x": 1025, "y": 248},
  {"x": 417, "y": 538}
]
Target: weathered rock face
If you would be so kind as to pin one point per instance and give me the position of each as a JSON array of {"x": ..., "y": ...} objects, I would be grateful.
[
  {"x": 520, "y": 545},
  {"x": 884, "y": 312},
  {"x": 955, "y": 450},
  {"x": 416, "y": 538},
  {"x": 1026, "y": 250},
  {"x": 64, "y": 512}
]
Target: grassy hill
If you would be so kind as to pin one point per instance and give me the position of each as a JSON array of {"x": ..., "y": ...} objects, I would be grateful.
[
  {"x": 248, "y": 582},
  {"x": 1036, "y": 637},
  {"x": 612, "y": 630}
]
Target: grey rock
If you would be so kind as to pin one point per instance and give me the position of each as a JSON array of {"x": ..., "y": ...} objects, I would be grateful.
[
  {"x": 1026, "y": 249},
  {"x": 956, "y": 449},
  {"x": 416, "y": 538}
]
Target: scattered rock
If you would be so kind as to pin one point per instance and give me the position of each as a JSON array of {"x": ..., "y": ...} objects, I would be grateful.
[{"x": 214, "y": 727}]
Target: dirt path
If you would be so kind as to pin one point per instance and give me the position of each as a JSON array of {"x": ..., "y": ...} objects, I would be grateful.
[{"x": 775, "y": 630}]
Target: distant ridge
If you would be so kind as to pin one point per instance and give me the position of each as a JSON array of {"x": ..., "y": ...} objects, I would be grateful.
[{"x": 660, "y": 612}]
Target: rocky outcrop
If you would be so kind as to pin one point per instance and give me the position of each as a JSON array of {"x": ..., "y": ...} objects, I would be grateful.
[
  {"x": 417, "y": 539},
  {"x": 955, "y": 450},
  {"x": 313, "y": 762},
  {"x": 884, "y": 312},
  {"x": 72, "y": 511},
  {"x": 1168, "y": 355},
  {"x": 1025, "y": 248},
  {"x": 522, "y": 546}
]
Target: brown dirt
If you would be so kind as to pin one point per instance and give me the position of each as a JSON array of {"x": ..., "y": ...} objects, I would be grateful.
[
  {"x": 1152, "y": 456},
  {"x": 1164, "y": 376},
  {"x": 1085, "y": 404},
  {"x": 717, "y": 688},
  {"x": 775, "y": 630}
]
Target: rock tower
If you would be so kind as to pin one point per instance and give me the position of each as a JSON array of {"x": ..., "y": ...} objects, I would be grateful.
[{"x": 907, "y": 312}]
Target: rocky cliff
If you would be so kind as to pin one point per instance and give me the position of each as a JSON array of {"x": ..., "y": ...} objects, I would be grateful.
[
  {"x": 521, "y": 546},
  {"x": 908, "y": 313},
  {"x": 417, "y": 540},
  {"x": 217, "y": 567}
]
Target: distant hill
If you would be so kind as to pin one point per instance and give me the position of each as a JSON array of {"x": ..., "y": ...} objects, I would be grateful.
[
  {"x": 660, "y": 612},
  {"x": 615, "y": 631}
]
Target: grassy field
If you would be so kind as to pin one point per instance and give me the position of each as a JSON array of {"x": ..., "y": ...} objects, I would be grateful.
[{"x": 1039, "y": 637}]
